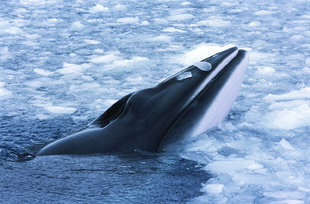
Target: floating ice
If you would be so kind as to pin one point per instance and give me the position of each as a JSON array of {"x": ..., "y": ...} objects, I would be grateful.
[
  {"x": 303, "y": 93},
  {"x": 99, "y": 50},
  {"x": 39, "y": 2},
  {"x": 4, "y": 93},
  {"x": 214, "y": 22},
  {"x": 145, "y": 23},
  {"x": 42, "y": 72},
  {"x": 263, "y": 12},
  {"x": 254, "y": 23},
  {"x": 119, "y": 7},
  {"x": 286, "y": 145},
  {"x": 31, "y": 2},
  {"x": 297, "y": 37},
  {"x": 269, "y": 71},
  {"x": 200, "y": 52},
  {"x": 99, "y": 8},
  {"x": 185, "y": 3},
  {"x": 104, "y": 59},
  {"x": 213, "y": 188},
  {"x": 127, "y": 64},
  {"x": 34, "y": 83},
  {"x": 306, "y": 70},
  {"x": 128, "y": 20},
  {"x": 77, "y": 25},
  {"x": 173, "y": 30},
  {"x": 288, "y": 118},
  {"x": 21, "y": 10},
  {"x": 93, "y": 42},
  {"x": 5, "y": 53},
  {"x": 162, "y": 38},
  {"x": 73, "y": 68},
  {"x": 230, "y": 166},
  {"x": 180, "y": 17},
  {"x": 255, "y": 166},
  {"x": 8, "y": 28},
  {"x": 60, "y": 109},
  {"x": 32, "y": 36},
  {"x": 287, "y": 194},
  {"x": 160, "y": 21},
  {"x": 135, "y": 79}
]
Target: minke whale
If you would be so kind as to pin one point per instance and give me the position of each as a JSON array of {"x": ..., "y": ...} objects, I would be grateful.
[{"x": 185, "y": 104}]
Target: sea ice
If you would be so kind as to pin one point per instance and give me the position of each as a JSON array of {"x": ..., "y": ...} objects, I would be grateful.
[
  {"x": 60, "y": 109},
  {"x": 42, "y": 72},
  {"x": 99, "y": 8},
  {"x": 180, "y": 17},
  {"x": 104, "y": 59},
  {"x": 128, "y": 20},
  {"x": 214, "y": 22},
  {"x": 4, "y": 93},
  {"x": 173, "y": 30}
]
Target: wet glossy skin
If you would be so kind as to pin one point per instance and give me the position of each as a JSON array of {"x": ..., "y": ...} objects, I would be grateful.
[{"x": 189, "y": 102}]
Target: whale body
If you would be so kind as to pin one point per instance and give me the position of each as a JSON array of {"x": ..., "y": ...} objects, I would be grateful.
[{"x": 187, "y": 103}]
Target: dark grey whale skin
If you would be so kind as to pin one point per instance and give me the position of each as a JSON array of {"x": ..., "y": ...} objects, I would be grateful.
[{"x": 187, "y": 103}]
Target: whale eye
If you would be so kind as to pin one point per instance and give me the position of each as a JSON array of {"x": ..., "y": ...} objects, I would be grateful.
[
  {"x": 204, "y": 66},
  {"x": 184, "y": 75}
]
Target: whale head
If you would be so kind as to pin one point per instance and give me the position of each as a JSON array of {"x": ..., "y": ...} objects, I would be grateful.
[{"x": 187, "y": 103}]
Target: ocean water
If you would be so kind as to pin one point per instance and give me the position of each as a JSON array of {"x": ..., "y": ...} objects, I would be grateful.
[{"x": 62, "y": 63}]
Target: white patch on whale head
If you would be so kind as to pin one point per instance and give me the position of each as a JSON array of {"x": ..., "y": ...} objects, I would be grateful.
[
  {"x": 204, "y": 66},
  {"x": 184, "y": 75}
]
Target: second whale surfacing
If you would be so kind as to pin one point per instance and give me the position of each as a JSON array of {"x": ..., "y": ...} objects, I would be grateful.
[{"x": 186, "y": 104}]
